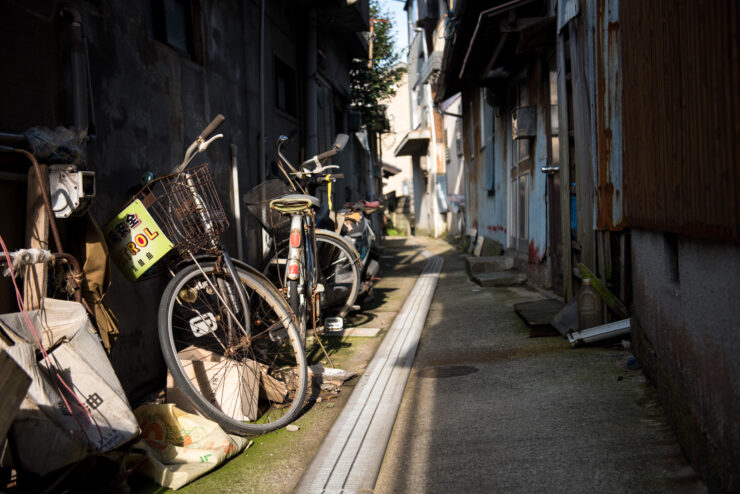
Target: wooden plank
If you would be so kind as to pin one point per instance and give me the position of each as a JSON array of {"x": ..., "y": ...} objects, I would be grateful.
[
  {"x": 14, "y": 383},
  {"x": 37, "y": 236},
  {"x": 582, "y": 126},
  {"x": 564, "y": 169}
]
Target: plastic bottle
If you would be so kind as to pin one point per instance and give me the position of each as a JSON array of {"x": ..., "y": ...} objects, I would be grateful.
[{"x": 590, "y": 309}]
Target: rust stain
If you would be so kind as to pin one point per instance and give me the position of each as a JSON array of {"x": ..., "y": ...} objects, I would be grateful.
[
  {"x": 534, "y": 253},
  {"x": 605, "y": 190}
]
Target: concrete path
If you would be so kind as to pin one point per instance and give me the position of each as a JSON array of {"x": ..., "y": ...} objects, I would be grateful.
[
  {"x": 487, "y": 409},
  {"x": 350, "y": 456}
]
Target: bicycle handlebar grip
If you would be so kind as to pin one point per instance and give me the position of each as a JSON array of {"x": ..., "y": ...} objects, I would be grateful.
[
  {"x": 327, "y": 154},
  {"x": 215, "y": 123},
  {"x": 337, "y": 175}
]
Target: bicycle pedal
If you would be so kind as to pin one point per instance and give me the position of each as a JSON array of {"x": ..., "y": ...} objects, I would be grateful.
[{"x": 355, "y": 308}]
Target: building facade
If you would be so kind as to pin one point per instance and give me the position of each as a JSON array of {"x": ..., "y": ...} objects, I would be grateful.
[
  {"x": 602, "y": 138},
  {"x": 143, "y": 78}
]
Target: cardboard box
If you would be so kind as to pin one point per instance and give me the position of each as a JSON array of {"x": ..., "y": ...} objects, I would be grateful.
[{"x": 230, "y": 385}]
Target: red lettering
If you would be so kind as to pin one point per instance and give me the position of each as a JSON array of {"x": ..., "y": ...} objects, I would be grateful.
[{"x": 151, "y": 235}]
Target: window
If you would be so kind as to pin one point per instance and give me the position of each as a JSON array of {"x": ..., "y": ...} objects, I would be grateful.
[
  {"x": 554, "y": 123},
  {"x": 285, "y": 87},
  {"x": 520, "y": 176},
  {"x": 172, "y": 22},
  {"x": 458, "y": 137}
]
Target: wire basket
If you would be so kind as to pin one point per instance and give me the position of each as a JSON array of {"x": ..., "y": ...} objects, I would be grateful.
[
  {"x": 258, "y": 200},
  {"x": 186, "y": 206}
]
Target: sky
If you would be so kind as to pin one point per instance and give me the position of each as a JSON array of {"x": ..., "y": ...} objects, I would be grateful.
[{"x": 395, "y": 7}]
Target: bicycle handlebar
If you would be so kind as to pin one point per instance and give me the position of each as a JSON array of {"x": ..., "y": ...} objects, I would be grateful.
[
  {"x": 215, "y": 123},
  {"x": 200, "y": 143},
  {"x": 327, "y": 154}
]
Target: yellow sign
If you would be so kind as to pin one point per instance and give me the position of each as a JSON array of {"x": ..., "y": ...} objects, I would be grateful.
[{"x": 135, "y": 241}]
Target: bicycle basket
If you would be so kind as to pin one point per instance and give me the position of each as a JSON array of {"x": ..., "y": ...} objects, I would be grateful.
[
  {"x": 186, "y": 205},
  {"x": 258, "y": 200}
]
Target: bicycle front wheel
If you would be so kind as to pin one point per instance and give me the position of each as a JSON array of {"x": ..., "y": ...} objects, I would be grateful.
[{"x": 249, "y": 380}]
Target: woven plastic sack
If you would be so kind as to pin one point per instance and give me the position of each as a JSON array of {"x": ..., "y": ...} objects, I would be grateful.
[{"x": 180, "y": 447}]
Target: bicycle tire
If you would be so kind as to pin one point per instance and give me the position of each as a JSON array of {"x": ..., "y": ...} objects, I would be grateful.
[
  {"x": 266, "y": 374},
  {"x": 339, "y": 271}
]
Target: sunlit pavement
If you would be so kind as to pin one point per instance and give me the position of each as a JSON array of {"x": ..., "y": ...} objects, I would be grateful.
[
  {"x": 488, "y": 409},
  {"x": 485, "y": 408},
  {"x": 351, "y": 454}
]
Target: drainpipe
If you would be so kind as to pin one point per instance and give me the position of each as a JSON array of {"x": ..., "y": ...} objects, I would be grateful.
[
  {"x": 433, "y": 166},
  {"x": 236, "y": 198},
  {"x": 261, "y": 146},
  {"x": 312, "y": 137},
  {"x": 77, "y": 66}
]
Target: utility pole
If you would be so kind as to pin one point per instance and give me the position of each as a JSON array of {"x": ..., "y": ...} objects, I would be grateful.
[{"x": 373, "y": 20}]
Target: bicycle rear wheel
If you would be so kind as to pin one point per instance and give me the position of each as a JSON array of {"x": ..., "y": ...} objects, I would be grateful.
[
  {"x": 248, "y": 384},
  {"x": 338, "y": 271}
]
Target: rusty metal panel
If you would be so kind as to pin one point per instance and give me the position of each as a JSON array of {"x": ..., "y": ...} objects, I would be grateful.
[
  {"x": 608, "y": 116},
  {"x": 681, "y": 116}
]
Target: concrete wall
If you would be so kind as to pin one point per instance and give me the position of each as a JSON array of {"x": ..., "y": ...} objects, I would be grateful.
[
  {"x": 398, "y": 113},
  {"x": 685, "y": 309}
]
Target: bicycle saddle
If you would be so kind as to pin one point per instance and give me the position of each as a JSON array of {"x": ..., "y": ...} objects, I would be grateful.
[{"x": 293, "y": 203}]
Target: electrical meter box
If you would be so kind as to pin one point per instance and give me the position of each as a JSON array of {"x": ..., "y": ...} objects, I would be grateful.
[{"x": 72, "y": 191}]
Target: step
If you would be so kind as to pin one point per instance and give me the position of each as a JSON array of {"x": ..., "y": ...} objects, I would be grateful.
[
  {"x": 488, "y": 264},
  {"x": 500, "y": 278}
]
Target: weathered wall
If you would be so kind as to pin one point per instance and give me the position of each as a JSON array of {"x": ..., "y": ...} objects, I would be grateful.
[
  {"x": 486, "y": 207},
  {"x": 681, "y": 131},
  {"x": 150, "y": 101},
  {"x": 685, "y": 307},
  {"x": 488, "y": 179},
  {"x": 399, "y": 114}
]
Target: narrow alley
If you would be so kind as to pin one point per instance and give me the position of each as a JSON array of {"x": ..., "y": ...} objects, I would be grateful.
[{"x": 369, "y": 246}]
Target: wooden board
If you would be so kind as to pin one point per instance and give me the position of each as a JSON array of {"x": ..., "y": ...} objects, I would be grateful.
[
  {"x": 37, "y": 236},
  {"x": 539, "y": 315}
]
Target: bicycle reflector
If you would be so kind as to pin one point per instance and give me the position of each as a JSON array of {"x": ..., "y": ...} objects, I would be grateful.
[
  {"x": 292, "y": 269},
  {"x": 295, "y": 238}
]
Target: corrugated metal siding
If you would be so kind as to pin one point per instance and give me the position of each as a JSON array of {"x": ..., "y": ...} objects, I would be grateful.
[
  {"x": 608, "y": 116},
  {"x": 681, "y": 116}
]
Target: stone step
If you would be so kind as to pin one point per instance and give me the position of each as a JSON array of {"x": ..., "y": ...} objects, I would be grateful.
[
  {"x": 500, "y": 278},
  {"x": 488, "y": 264}
]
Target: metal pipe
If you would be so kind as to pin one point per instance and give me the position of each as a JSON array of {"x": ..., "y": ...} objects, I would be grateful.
[
  {"x": 261, "y": 146},
  {"x": 235, "y": 202},
  {"x": 433, "y": 165},
  {"x": 312, "y": 137},
  {"x": 77, "y": 63}
]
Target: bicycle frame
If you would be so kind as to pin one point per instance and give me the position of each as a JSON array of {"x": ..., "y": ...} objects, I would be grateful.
[{"x": 303, "y": 241}]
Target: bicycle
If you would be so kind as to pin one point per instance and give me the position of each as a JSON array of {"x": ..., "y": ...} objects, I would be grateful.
[
  {"x": 356, "y": 228},
  {"x": 227, "y": 335},
  {"x": 317, "y": 269}
]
